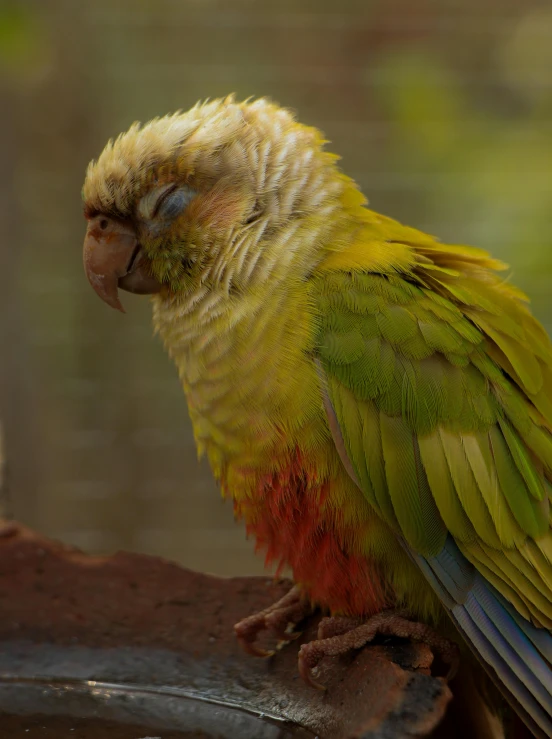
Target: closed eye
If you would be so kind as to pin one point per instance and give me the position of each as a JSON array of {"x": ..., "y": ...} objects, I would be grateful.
[
  {"x": 173, "y": 202},
  {"x": 162, "y": 199},
  {"x": 164, "y": 202}
]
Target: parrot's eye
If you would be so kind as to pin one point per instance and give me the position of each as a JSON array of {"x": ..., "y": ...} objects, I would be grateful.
[
  {"x": 173, "y": 202},
  {"x": 165, "y": 202}
]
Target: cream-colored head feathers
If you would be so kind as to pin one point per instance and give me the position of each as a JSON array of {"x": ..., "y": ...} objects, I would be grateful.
[
  {"x": 255, "y": 141},
  {"x": 257, "y": 177}
]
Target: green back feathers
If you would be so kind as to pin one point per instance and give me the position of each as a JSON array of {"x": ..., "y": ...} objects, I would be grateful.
[{"x": 441, "y": 386}]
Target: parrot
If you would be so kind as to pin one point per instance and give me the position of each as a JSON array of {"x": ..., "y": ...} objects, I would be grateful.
[{"x": 376, "y": 403}]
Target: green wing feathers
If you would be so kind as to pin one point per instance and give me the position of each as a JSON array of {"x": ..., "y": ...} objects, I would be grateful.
[{"x": 441, "y": 385}]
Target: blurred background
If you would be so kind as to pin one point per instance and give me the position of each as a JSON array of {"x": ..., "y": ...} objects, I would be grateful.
[{"x": 440, "y": 109}]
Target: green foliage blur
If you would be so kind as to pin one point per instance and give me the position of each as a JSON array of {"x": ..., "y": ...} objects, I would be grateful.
[
  {"x": 441, "y": 110},
  {"x": 21, "y": 40},
  {"x": 490, "y": 158}
]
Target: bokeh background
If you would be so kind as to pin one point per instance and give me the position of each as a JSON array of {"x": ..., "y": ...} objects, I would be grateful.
[{"x": 441, "y": 110}]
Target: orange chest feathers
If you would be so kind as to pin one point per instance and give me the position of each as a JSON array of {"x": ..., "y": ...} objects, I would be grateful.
[{"x": 297, "y": 521}]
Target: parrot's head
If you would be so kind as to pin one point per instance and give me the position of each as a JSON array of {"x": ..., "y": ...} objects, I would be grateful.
[{"x": 205, "y": 198}]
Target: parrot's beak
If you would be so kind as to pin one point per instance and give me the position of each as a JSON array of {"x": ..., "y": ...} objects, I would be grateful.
[{"x": 113, "y": 259}]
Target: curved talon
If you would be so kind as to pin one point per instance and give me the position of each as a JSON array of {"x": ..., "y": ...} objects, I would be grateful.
[
  {"x": 305, "y": 666},
  {"x": 247, "y": 631},
  {"x": 251, "y": 648},
  {"x": 451, "y": 657},
  {"x": 279, "y": 619}
]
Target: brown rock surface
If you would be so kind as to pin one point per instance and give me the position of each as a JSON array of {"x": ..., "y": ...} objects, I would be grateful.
[{"x": 138, "y": 620}]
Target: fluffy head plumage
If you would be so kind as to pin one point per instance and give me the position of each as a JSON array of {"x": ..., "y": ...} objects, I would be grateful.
[
  {"x": 251, "y": 173},
  {"x": 157, "y": 150}
]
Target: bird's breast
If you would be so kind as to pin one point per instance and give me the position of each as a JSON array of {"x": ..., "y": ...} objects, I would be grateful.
[
  {"x": 257, "y": 411},
  {"x": 250, "y": 384}
]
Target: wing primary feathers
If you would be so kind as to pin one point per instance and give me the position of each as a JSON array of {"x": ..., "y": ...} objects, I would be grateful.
[
  {"x": 535, "y": 716},
  {"x": 508, "y": 645},
  {"x": 493, "y": 613},
  {"x": 444, "y": 408},
  {"x": 541, "y": 638},
  {"x": 453, "y": 571}
]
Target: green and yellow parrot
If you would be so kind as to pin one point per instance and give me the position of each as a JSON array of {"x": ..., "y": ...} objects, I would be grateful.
[{"x": 377, "y": 404}]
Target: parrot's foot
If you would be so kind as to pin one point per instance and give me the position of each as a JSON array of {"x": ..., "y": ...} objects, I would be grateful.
[
  {"x": 279, "y": 619},
  {"x": 339, "y": 635}
]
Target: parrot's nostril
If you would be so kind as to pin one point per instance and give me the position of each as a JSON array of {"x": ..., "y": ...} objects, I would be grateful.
[{"x": 104, "y": 223}]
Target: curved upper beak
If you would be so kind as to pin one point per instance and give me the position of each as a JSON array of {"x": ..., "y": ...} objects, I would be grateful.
[{"x": 113, "y": 259}]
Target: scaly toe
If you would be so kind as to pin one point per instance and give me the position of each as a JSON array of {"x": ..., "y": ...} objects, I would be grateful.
[{"x": 336, "y": 626}]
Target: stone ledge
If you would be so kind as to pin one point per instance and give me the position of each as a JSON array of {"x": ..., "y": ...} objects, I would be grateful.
[{"x": 140, "y": 620}]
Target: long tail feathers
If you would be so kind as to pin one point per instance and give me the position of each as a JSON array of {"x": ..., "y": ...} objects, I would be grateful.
[{"x": 517, "y": 655}]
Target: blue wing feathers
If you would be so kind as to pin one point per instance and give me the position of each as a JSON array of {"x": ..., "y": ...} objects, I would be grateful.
[
  {"x": 453, "y": 570},
  {"x": 510, "y": 647},
  {"x": 541, "y": 638},
  {"x": 514, "y": 635},
  {"x": 537, "y": 717}
]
